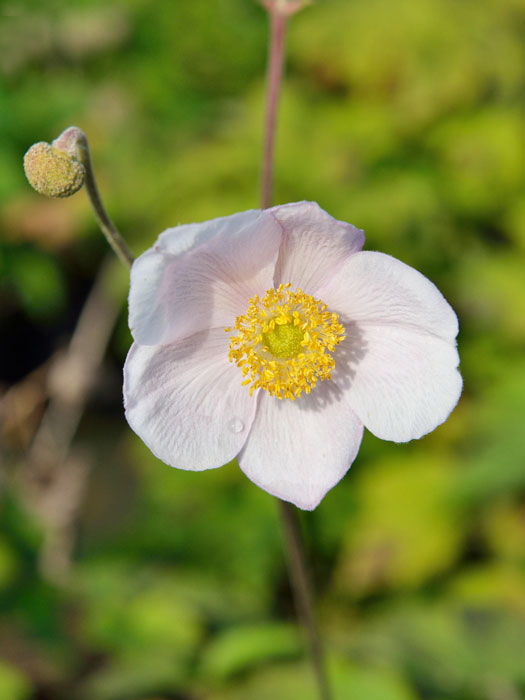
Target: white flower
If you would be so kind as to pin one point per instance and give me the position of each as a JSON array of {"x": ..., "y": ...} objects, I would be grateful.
[{"x": 271, "y": 337}]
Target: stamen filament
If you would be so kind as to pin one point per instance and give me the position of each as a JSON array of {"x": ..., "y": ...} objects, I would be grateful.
[{"x": 283, "y": 342}]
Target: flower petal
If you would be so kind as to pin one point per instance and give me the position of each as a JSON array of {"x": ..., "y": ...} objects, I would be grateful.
[
  {"x": 314, "y": 243},
  {"x": 201, "y": 276},
  {"x": 298, "y": 450},
  {"x": 186, "y": 401},
  {"x": 402, "y": 383},
  {"x": 376, "y": 288}
]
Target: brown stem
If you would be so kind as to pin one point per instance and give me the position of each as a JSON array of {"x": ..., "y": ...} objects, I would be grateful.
[
  {"x": 52, "y": 479},
  {"x": 274, "y": 75},
  {"x": 302, "y": 591},
  {"x": 301, "y": 587}
]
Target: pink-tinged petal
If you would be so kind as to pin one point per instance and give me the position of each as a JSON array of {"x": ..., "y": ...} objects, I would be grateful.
[
  {"x": 402, "y": 383},
  {"x": 298, "y": 450},
  {"x": 186, "y": 401},
  {"x": 201, "y": 276},
  {"x": 376, "y": 288},
  {"x": 314, "y": 244}
]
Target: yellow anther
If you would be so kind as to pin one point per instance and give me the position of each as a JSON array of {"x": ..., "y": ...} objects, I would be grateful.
[{"x": 282, "y": 342}]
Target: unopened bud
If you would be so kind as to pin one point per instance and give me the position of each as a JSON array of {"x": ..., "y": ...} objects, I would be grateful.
[{"x": 52, "y": 171}]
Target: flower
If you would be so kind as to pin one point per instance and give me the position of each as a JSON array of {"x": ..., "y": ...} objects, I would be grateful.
[{"x": 270, "y": 336}]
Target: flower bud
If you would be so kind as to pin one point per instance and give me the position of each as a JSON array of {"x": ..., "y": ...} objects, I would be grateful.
[{"x": 53, "y": 172}]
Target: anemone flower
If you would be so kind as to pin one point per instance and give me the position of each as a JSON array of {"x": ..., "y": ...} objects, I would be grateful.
[{"x": 270, "y": 336}]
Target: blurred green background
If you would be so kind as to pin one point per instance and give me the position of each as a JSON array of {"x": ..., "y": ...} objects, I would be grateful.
[{"x": 123, "y": 579}]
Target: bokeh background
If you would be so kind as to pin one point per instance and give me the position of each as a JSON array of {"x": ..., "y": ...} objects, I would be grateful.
[{"x": 123, "y": 579}]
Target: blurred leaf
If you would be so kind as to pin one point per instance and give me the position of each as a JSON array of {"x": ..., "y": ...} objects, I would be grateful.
[
  {"x": 130, "y": 611},
  {"x": 406, "y": 530},
  {"x": 514, "y": 222},
  {"x": 504, "y": 527},
  {"x": 451, "y": 650},
  {"x": 240, "y": 648},
  {"x": 495, "y": 462},
  {"x": 296, "y": 681},
  {"x": 425, "y": 58},
  {"x": 489, "y": 585},
  {"x": 134, "y": 678},
  {"x": 492, "y": 289},
  {"x": 230, "y": 527},
  {"x": 13, "y": 684},
  {"x": 8, "y": 564},
  {"x": 37, "y": 280},
  {"x": 481, "y": 167}
]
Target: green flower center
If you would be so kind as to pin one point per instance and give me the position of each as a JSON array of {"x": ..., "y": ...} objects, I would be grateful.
[{"x": 284, "y": 341}]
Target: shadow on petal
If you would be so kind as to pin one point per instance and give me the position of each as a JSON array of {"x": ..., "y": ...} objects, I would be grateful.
[{"x": 347, "y": 357}]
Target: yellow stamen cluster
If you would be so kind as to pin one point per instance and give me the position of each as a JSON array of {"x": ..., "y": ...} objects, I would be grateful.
[{"x": 283, "y": 342}]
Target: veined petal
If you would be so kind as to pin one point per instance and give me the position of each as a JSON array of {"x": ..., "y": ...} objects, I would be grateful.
[
  {"x": 298, "y": 450},
  {"x": 376, "y": 288},
  {"x": 201, "y": 276},
  {"x": 313, "y": 246},
  {"x": 186, "y": 401},
  {"x": 401, "y": 382}
]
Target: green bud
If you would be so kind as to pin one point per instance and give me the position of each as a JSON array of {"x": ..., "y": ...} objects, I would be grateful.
[{"x": 53, "y": 172}]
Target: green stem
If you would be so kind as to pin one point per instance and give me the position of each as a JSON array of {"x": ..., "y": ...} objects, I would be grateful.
[
  {"x": 113, "y": 237},
  {"x": 74, "y": 141}
]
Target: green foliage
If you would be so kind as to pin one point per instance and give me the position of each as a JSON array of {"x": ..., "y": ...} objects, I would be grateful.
[
  {"x": 295, "y": 681},
  {"x": 242, "y": 648},
  {"x": 458, "y": 651},
  {"x": 406, "y": 529},
  {"x": 8, "y": 564},
  {"x": 36, "y": 279},
  {"x": 13, "y": 685}
]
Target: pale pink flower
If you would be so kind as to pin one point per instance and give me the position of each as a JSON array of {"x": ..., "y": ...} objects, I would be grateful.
[{"x": 321, "y": 339}]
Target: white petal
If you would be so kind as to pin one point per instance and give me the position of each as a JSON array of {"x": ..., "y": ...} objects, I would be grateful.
[
  {"x": 201, "y": 276},
  {"x": 314, "y": 244},
  {"x": 376, "y": 288},
  {"x": 298, "y": 450},
  {"x": 402, "y": 383},
  {"x": 186, "y": 401}
]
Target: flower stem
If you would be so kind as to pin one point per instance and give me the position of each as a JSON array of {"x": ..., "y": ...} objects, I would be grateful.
[
  {"x": 302, "y": 591},
  {"x": 274, "y": 75},
  {"x": 113, "y": 237},
  {"x": 73, "y": 142},
  {"x": 296, "y": 556}
]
